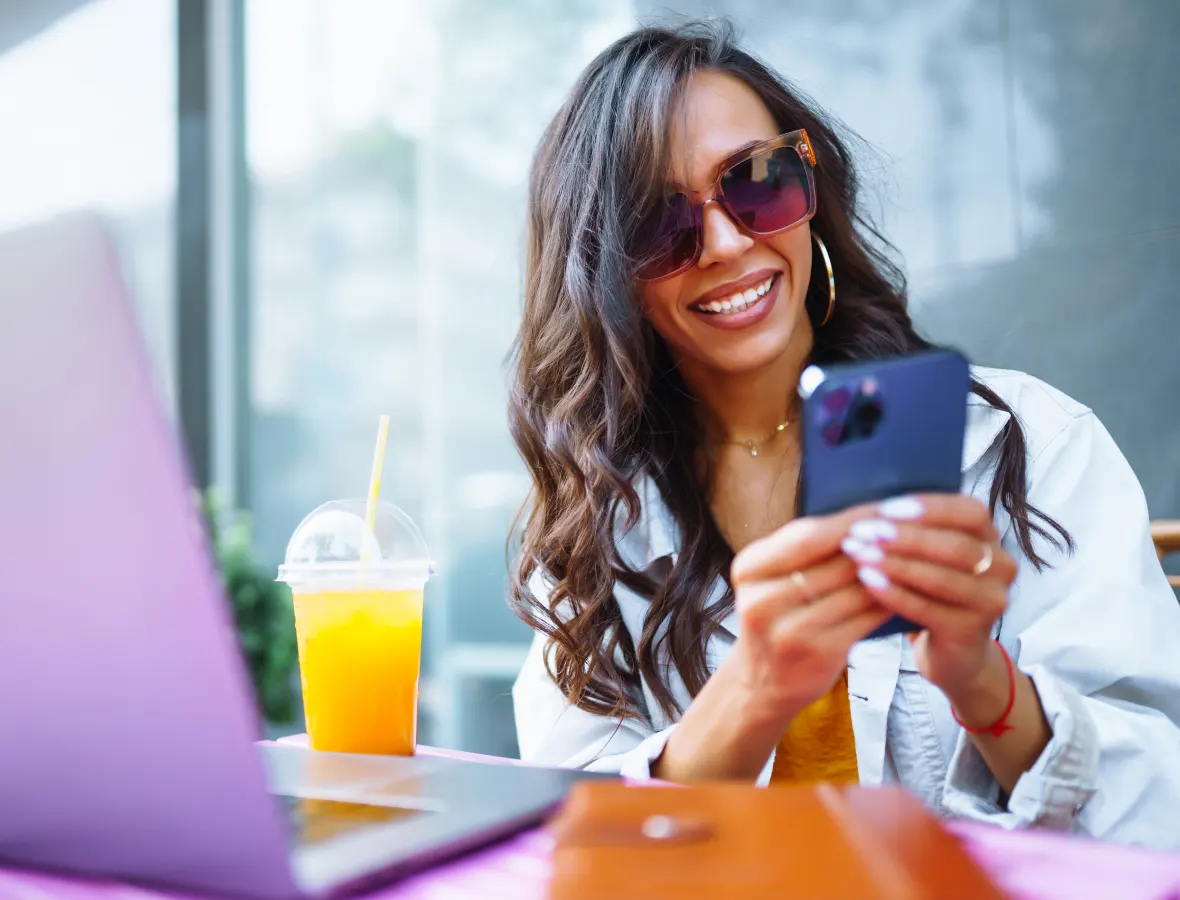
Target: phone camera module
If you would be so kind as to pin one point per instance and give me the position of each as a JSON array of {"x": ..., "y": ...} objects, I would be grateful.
[{"x": 852, "y": 414}]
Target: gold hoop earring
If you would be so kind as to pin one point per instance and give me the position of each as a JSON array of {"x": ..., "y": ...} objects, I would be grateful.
[{"x": 823, "y": 250}]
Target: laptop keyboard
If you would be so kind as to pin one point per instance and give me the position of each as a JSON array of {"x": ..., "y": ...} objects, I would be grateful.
[{"x": 314, "y": 821}]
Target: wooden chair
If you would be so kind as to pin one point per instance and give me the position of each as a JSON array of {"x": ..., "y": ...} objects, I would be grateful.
[{"x": 1166, "y": 534}]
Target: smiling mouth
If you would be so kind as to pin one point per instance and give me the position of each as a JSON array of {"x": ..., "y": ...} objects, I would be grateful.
[{"x": 737, "y": 302}]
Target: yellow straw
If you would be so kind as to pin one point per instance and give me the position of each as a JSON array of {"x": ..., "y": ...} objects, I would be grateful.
[{"x": 375, "y": 485}]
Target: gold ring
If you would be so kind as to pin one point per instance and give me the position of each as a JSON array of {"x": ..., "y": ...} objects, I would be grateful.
[
  {"x": 985, "y": 561},
  {"x": 800, "y": 582}
]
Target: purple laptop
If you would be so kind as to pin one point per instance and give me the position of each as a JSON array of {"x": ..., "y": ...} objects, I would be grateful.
[{"x": 126, "y": 719}]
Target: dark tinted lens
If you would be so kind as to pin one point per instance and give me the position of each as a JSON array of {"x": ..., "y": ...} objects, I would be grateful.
[
  {"x": 768, "y": 192},
  {"x": 668, "y": 238}
]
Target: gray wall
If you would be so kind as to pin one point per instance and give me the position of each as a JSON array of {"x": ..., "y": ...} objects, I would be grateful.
[{"x": 1028, "y": 173}]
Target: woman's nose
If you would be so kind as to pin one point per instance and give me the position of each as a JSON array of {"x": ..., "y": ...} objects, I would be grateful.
[{"x": 721, "y": 239}]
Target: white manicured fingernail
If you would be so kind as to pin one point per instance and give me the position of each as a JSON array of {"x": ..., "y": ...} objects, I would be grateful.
[
  {"x": 902, "y": 508},
  {"x": 873, "y": 530},
  {"x": 873, "y": 579},
  {"x": 861, "y": 552}
]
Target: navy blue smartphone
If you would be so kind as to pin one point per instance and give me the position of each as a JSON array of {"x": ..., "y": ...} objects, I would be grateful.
[{"x": 881, "y": 429}]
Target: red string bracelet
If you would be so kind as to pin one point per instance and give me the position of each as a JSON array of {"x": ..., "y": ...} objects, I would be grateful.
[{"x": 1001, "y": 725}]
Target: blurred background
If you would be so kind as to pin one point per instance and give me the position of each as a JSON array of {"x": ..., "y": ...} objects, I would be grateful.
[{"x": 320, "y": 209}]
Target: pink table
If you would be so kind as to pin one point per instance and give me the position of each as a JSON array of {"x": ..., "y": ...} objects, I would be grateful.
[{"x": 1029, "y": 865}]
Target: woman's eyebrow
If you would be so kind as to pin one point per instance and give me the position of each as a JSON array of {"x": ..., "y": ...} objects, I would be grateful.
[
  {"x": 736, "y": 150},
  {"x": 673, "y": 183},
  {"x": 746, "y": 146}
]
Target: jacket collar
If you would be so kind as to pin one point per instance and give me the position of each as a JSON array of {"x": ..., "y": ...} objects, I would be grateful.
[{"x": 984, "y": 424}]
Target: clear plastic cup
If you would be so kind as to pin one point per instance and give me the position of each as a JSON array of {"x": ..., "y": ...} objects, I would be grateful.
[{"x": 358, "y": 619}]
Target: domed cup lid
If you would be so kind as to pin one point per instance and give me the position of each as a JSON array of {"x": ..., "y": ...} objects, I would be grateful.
[{"x": 332, "y": 549}]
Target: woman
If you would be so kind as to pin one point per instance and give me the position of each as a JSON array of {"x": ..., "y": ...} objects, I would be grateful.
[{"x": 694, "y": 243}]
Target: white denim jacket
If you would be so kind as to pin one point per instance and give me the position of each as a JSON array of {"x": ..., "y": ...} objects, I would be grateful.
[{"x": 1098, "y": 632}]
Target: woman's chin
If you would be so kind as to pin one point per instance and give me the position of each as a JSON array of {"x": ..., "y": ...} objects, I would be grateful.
[
  {"x": 741, "y": 354},
  {"x": 747, "y": 358}
]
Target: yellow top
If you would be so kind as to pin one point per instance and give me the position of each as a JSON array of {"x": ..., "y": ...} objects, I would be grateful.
[{"x": 819, "y": 744}]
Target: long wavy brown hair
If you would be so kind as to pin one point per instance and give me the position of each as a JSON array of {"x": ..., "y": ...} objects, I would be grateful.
[{"x": 597, "y": 404}]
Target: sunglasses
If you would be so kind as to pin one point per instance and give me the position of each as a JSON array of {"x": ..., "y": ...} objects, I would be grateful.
[{"x": 764, "y": 189}]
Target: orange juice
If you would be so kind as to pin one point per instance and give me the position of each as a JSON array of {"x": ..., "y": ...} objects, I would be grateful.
[{"x": 359, "y": 655}]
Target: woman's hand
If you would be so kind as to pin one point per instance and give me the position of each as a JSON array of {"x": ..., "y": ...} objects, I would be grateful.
[
  {"x": 801, "y": 608},
  {"x": 936, "y": 559}
]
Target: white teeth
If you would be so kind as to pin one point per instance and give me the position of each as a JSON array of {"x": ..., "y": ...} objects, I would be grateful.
[{"x": 740, "y": 301}]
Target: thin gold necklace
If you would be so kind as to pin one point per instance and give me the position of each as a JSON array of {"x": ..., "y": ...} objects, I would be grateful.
[{"x": 752, "y": 445}]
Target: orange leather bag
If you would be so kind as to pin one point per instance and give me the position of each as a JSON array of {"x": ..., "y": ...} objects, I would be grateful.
[{"x": 792, "y": 843}]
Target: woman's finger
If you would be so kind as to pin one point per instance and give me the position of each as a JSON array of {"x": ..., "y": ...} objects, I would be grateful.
[
  {"x": 796, "y": 546},
  {"x": 827, "y": 613},
  {"x": 858, "y": 627},
  {"x": 985, "y": 595},
  {"x": 958, "y": 512},
  {"x": 802, "y": 542},
  {"x": 934, "y": 614},
  {"x": 870, "y": 540},
  {"x": 761, "y": 602}
]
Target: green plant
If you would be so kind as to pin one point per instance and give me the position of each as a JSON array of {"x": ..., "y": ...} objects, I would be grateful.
[{"x": 262, "y": 610}]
